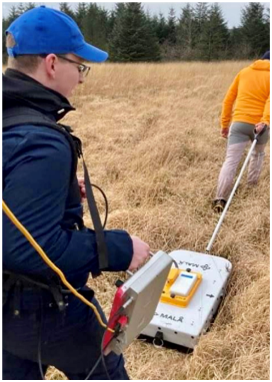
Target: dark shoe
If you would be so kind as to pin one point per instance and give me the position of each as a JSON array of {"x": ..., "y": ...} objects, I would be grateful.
[{"x": 219, "y": 205}]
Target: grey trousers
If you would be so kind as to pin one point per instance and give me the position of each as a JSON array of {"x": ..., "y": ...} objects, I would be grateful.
[{"x": 239, "y": 136}]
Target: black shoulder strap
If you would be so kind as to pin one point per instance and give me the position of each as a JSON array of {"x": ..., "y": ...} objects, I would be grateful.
[
  {"x": 100, "y": 238},
  {"x": 26, "y": 116}
]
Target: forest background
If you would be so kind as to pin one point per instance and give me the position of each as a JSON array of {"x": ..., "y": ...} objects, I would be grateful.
[{"x": 198, "y": 33}]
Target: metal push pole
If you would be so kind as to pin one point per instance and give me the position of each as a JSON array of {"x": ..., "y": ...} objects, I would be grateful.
[{"x": 256, "y": 136}]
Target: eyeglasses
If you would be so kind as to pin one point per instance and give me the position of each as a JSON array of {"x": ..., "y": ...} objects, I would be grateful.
[{"x": 83, "y": 69}]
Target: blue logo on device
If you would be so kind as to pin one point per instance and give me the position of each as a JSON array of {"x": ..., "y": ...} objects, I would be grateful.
[{"x": 188, "y": 276}]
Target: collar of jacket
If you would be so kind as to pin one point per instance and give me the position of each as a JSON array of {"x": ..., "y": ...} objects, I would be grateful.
[
  {"x": 22, "y": 90},
  {"x": 261, "y": 65}
]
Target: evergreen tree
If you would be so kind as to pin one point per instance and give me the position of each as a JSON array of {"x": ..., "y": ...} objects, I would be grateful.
[
  {"x": 21, "y": 8},
  {"x": 186, "y": 32},
  {"x": 132, "y": 39},
  {"x": 29, "y": 6},
  {"x": 116, "y": 29},
  {"x": 171, "y": 27},
  {"x": 169, "y": 50},
  {"x": 95, "y": 26},
  {"x": 254, "y": 29},
  {"x": 154, "y": 23},
  {"x": 201, "y": 16},
  {"x": 80, "y": 15},
  {"x": 236, "y": 50},
  {"x": 201, "y": 20},
  {"x": 215, "y": 35},
  {"x": 120, "y": 9},
  {"x": 102, "y": 37},
  {"x": 110, "y": 23},
  {"x": 65, "y": 8},
  {"x": 148, "y": 18},
  {"x": 161, "y": 29},
  {"x": 13, "y": 14}
]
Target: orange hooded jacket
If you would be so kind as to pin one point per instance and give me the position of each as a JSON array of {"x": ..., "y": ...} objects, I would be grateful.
[{"x": 250, "y": 91}]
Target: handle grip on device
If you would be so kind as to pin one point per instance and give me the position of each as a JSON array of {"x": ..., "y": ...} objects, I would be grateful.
[{"x": 131, "y": 273}]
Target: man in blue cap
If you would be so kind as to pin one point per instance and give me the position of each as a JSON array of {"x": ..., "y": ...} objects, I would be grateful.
[{"x": 46, "y": 53}]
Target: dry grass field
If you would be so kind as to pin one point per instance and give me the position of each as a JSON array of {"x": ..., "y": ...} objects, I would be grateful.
[{"x": 152, "y": 141}]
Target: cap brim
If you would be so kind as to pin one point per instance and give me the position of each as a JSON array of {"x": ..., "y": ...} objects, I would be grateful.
[{"x": 91, "y": 53}]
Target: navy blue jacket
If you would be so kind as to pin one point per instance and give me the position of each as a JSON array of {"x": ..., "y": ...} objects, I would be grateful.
[{"x": 37, "y": 188}]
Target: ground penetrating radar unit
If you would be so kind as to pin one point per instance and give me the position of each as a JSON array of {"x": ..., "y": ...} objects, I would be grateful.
[
  {"x": 184, "y": 297},
  {"x": 190, "y": 298}
]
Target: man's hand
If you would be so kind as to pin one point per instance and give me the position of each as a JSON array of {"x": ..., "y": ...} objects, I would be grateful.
[
  {"x": 259, "y": 126},
  {"x": 140, "y": 253},
  {"x": 225, "y": 132},
  {"x": 82, "y": 188}
]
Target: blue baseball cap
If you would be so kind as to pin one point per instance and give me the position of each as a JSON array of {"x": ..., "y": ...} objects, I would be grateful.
[{"x": 45, "y": 30}]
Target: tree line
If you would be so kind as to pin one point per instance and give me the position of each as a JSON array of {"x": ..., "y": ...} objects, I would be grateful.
[{"x": 200, "y": 32}]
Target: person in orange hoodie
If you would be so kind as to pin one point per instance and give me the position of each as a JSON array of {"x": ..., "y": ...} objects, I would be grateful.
[{"x": 246, "y": 107}]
